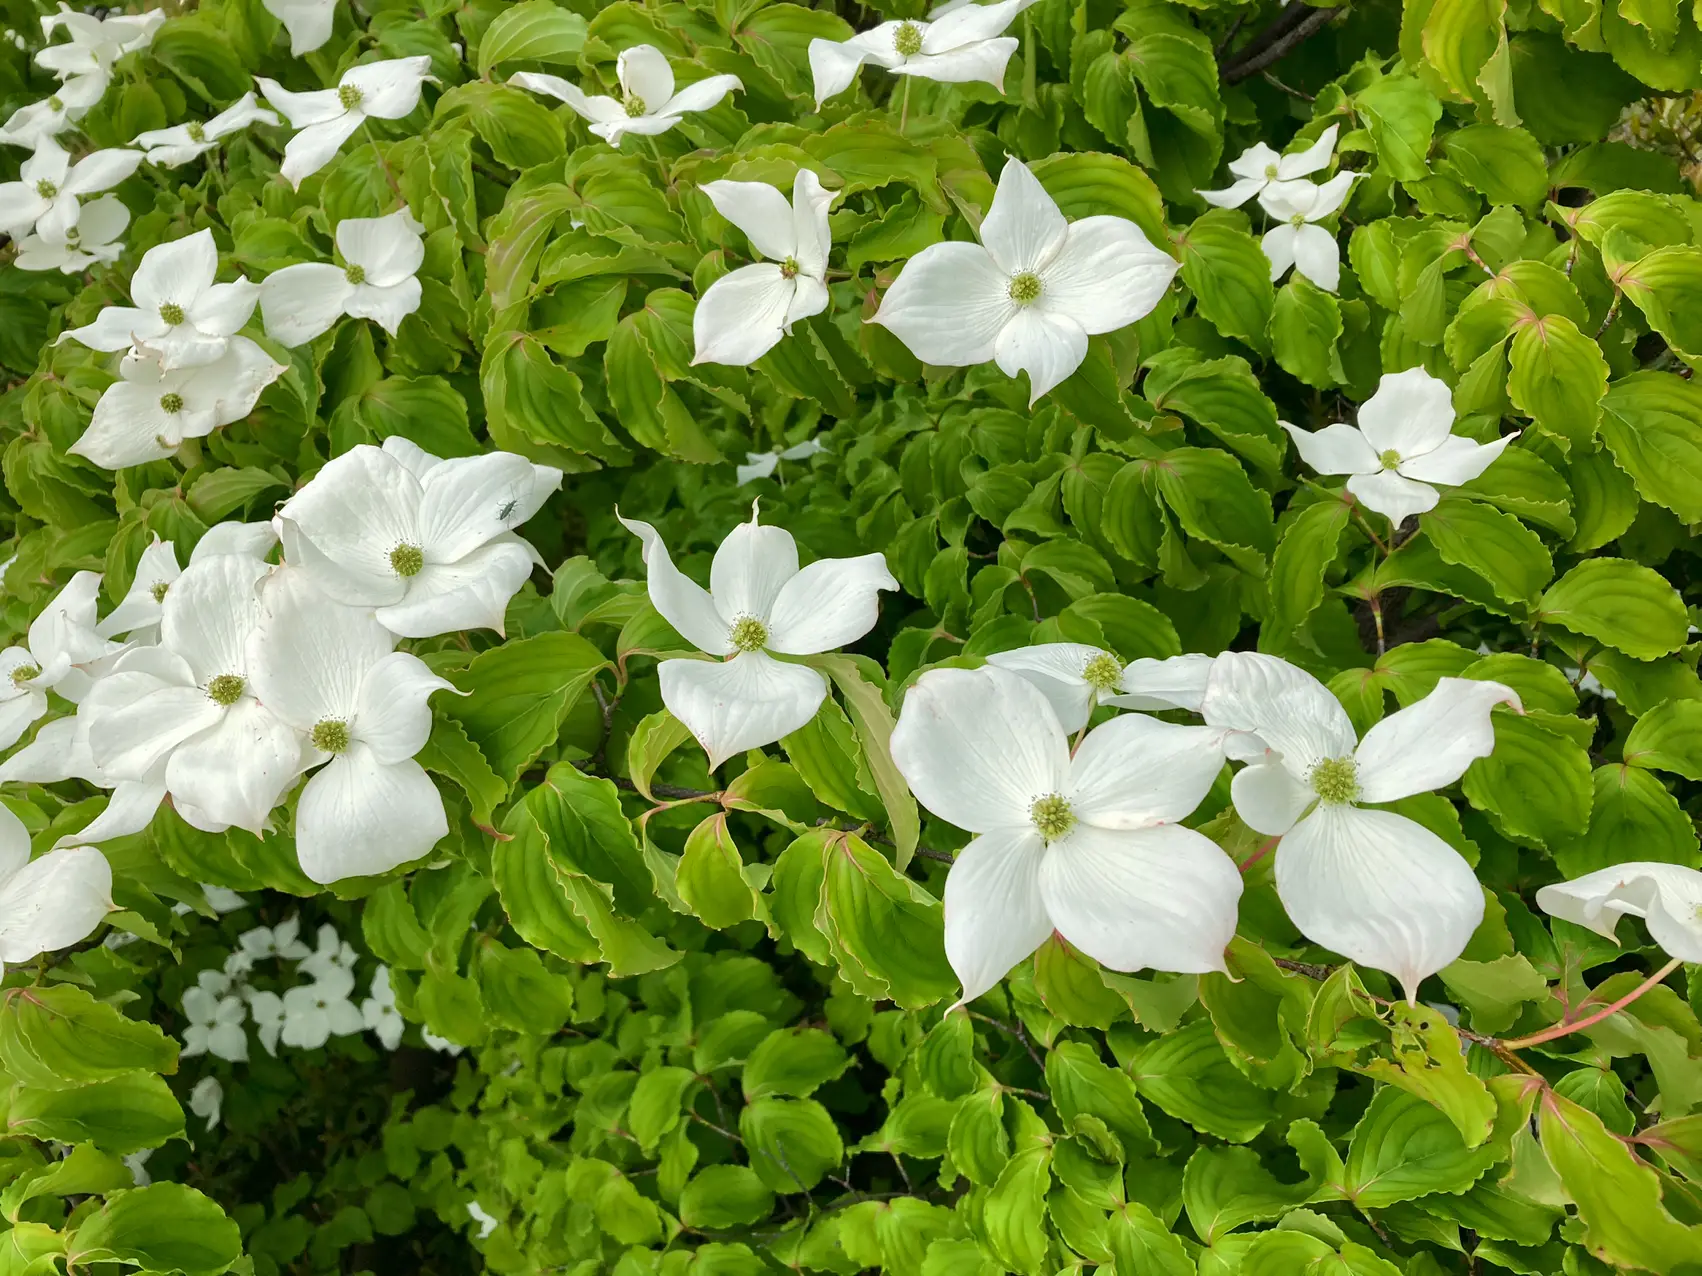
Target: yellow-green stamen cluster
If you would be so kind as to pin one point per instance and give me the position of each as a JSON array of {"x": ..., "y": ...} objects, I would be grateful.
[
  {"x": 634, "y": 107},
  {"x": 349, "y": 96},
  {"x": 1335, "y": 781},
  {"x": 749, "y": 634},
  {"x": 159, "y": 590},
  {"x": 197, "y": 133},
  {"x": 355, "y": 274},
  {"x": 46, "y": 189},
  {"x": 789, "y": 268},
  {"x": 908, "y": 39},
  {"x": 1390, "y": 459},
  {"x": 171, "y": 403},
  {"x": 1025, "y": 288},
  {"x": 1052, "y": 816},
  {"x": 23, "y": 674},
  {"x": 1103, "y": 673},
  {"x": 407, "y": 560},
  {"x": 171, "y": 313},
  {"x": 226, "y": 689},
  {"x": 330, "y": 735},
  {"x": 54, "y": 104}
]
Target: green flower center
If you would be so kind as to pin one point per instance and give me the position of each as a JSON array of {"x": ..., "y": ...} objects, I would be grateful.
[
  {"x": 46, "y": 189},
  {"x": 24, "y": 673},
  {"x": 197, "y": 133},
  {"x": 349, "y": 96},
  {"x": 73, "y": 235},
  {"x": 635, "y": 107},
  {"x": 407, "y": 560},
  {"x": 54, "y": 104},
  {"x": 172, "y": 313},
  {"x": 226, "y": 689},
  {"x": 1270, "y": 172},
  {"x": 1299, "y": 219},
  {"x": 331, "y": 735},
  {"x": 789, "y": 268},
  {"x": 1103, "y": 673},
  {"x": 908, "y": 39},
  {"x": 1025, "y": 288},
  {"x": 1335, "y": 781},
  {"x": 159, "y": 590},
  {"x": 355, "y": 274},
  {"x": 749, "y": 634},
  {"x": 1052, "y": 816},
  {"x": 1390, "y": 459},
  {"x": 171, "y": 403}
]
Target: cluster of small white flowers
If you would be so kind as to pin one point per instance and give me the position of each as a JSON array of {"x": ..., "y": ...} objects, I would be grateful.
[{"x": 240, "y": 676}]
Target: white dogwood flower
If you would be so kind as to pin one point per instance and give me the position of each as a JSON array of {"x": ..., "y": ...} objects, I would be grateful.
[
  {"x": 267, "y": 1010},
  {"x": 96, "y": 43},
  {"x": 94, "y": 237},
  {"x": 758, "y": 601},
  {"x": 179, "y": 310},
  {"x": 274, "y": 943},
  {"x": 332, "y": 953},
  {"x": 648, "y": 103},
  {"x": 56, "y": 113},
  {"x": 46, "y": 193},
  {"x": 1299, "y": 241},
  {"x": 743, "y": 314},
  {"x": 330, "y": 672},
  {"x": 1077, "y": 678},
  {"x": 1402, "y": 447},
  {"x": 148, "y": 414},
  {"x": 63, "y": 652},
  {"x": 326, "y": 118},
  {"x": 138, "y": 613},
  {"x": 424, "y": 541},
  {"x": 184, "y": 713},
  {"x": 761, "y": 465},
  {"x": 1033, "y": 290},
  {"x": 1666, "y": 896},
  {"x": 207, "y": 1098},
  {"x": 378, "y": 1011},
  {"x": 1372, "y": 885},
  {"x": 962, "y": 43},
  {"x": 216, "y": 1018},
  {"x": 50, "y": 902},
  {"x": 1088, "y": 846},
  {"x": 308, "y": 22},
  {"x": 1259, "y": 167},
  {"x": 315, "y": 1012},
  {"x": 377, "y": 281},
  {"x": 170, "y": 147}
]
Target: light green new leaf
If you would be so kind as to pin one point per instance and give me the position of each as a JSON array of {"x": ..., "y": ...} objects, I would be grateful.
[{"x": 1621, "y": 603}]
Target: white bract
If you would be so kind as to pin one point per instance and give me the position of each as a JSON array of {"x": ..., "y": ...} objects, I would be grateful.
[
  {"x": 183, "y": 716},
  {"x": 377, "y": 281},
  {"x": 1299, "y": 241},
  {"x": 46, "y": 193},
  {"x": 1372, "y": 885},
  {"x": 282, "y": 941},
  {"x": 1033, "y": 290},
  {"x": 744, "y": 313},
  {"x": 267, "y": 1010},
  {"x": 326, "y": 118},
  {"x": 169, "y": 147},
  {"x": 1087, "y": 846},
  {"x": 332, "y": 953},
  {"x": 152, "y": 409},
  {"x": 207, "y": 1099},
  {"x": 962, "y": 44},
  {"x": 1402, "y": 447},
  {"x": 96, "y": 43},
  {"x": 648, "y": 103},
  {"x": 51, "y": 902},
  {"x": 54, "y": 115},
  {"x": 315, "y": 1012},
  {"x": 426, "y": 542},
  {"x": 758, "y": 601},
  {"x": 1666, "y": 896},
  {"x": 63, "y": 653},
  {"x": 138, "y": 613},
  {"x": 1077, "y": 678},
  {"x": 329, "y": 672},
  {"x": 179, "y": 310},
  {"x": 378, "y": 1010},
  {"x": 216, "y": 1017},
  {"x": 1259, "y": 167},
  {"x": 761, "y": 465},
  {"x": 94, "y": 237},
  {"x": 308, "y": 21}
]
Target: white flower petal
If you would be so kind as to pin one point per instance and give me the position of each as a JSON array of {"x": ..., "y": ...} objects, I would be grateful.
[
  {"x": 1379, "y": 889},
  {"x": 1056, "y": 669},
  {"x": 389, "y": 249},
  {"x": 978, "y": 746},
  {"x": 1256, "y": 161},
  {"x": 300, "y": 302},
  {"x": 469, "y": 501},
  {"x": 1429, "y": 745},
  {"x": 761, "y": 212},
  {"x": 130, "y": 810},
  {"x": 302, "y": 109},
  {"x": 597, "y": 108},
  {"x": 385, "y": 306},
  {"x": 54, "y": 755},
  {"x": 1107, "y": 275},
  {"x": 1176, "y": 682},
  {"x": 1269, "y": 798},
  {"x": 1392, "y": 495},
  {"x": 743, "y": 703},
  {"x": 700, "y": 95},
  {"x": 1455, "y": 460},
  {"x": 983, "y": 62},
  {"x": 832, "y": 602},
  {"x": 948, "y": 305},
  {"x": 209, "y": 612},
  {"x": 16, "y": 714},
  {"x": 129, "y": 428},
  {"x": 834, "y": 64},
  {"x": 1023, "y": 230},
  {"x": 1668, "y": 896},
  {"x": 1318, "y": 256},
  {"x": 1237, "y": 192},
  {"x": 994, "y": 916},
  {"x": 392, "y": 716},
  {"x": 100, "y": 171},
  {"x": 1049, "y": 347},
  {"x": 750, "y": 568},
  {"x": 810, "y": 232},
  {"x": 313, "y": 148},
  {"x": 809, "y": 297},
  {"x": 1135, "y": 771},
  {"x": 1285, "y": 706},
  {"x": 1335, "y": 449},
  {"x": 684, "y": 603},
  {"x": 471, "y": 593},
  {"x": 742, "y": 315},
  {"x": 390, "y": 89},
  {"x": 358, "y": 817},
  {"x": 238, "y": 771},
  {"x": 1410, "y": 414},
  {"x": 1331, "y": 195},
  {"x": 53, "y": 902},
  {"x": 1314, "y": 157},
  {"x": 356, "y": 511},
  {"x": 644, "y": 73},
  {"x": 307, "y": 21},
  {"x": 307, "y": 656},
  {"x": 1278, "y": 245},
  {"x": 176, "y": 272}
]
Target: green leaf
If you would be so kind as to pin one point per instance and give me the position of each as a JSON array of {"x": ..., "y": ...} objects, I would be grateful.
[
  {"x": 1306, "y": 324},
  {"x": 523, "y": 996},
  {"x": 163, "y": 1227},
  {"x": 1633, "y": 817},
  {"x": 450, "y": 753},
  {"x": 1189, "y": 1076},
  {"x": 1015, "y": 1211},
  {"x": 58, "y": 1036},
  {"x": 1652, "y": 424},
  {"x": 1505, "y": 165},
  {"x": 1093, "y": 184},
  {"x": 795, "y": 1062},
  {"x": 1620, "y": 603},
  {"x": 519, "y": 693},
  {"x": 1141, "y": 1243},
  {"x": 859, "y": 683},
  {"x": 710, "y": 876},
  {"x": 725, "y": 1196},
  {"x": 1229, "y": 275},
  {"x": 657, "y": 1104},
  {"x": 1400, "y": 114},
  {"x": 889, "y": 930},
  {"x": 792, "y": 1143},
  {"x": 1214, "y": 501},
  {"x": 123, "y": 1114},
  {"x": 1404, "y": 1148},
  {"x": 1558, "y": 377},
  {"x": 1497, "y": 546},
  {"x": 1536, "y": 782},
  {"x": 1668, "y": 738},
  {"x": 1666, "y": 286},
  {"x": 1308, "y": 546},
  {"x": 1222, "y": 1188},
  {"x": 1081, "y": 1083},
  {"x": 533, "y": 31}
]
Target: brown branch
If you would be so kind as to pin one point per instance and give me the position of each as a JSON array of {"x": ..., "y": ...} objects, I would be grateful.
[{"x": 1293, "y": 26}]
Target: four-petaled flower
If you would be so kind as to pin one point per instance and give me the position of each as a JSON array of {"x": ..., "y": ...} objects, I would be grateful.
[
  {"x": 54, "y": 114},
  {"x": 45, "y": 195},
  {"x": 1372, "y": 885},
  {"x": 1033, "y": 290},
  {"x": 1077, "y": 678},
  {"x": 744, "y": 314},
  {"x": 1403, "y": 445},
  {"x": 1298, "y": 241},
  {"x": 326, "y": 118},
  {"x": 378, "y": 1010},
  {"x": 378, "y": 281},
  {"x": 1259, "y": 167},
  {"x": 758, "y": 601},
  {"x": 95, "y": 237},
  {"x": 217, "y": 1014},
  {"x": 648, "y": 103},
  {"x": 1088, "y": 846},
  {"x": 965, "y": 44},
  {"x": 169, "y": 147},
  {"x": 63, "y": 650},
  {"x": 312, "y": 1013},
  {"x": 761, "y": 465},
  {"x": 1666, "y": 896}
]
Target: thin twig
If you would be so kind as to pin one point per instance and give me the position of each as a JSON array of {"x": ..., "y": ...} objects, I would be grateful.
[
  {"x": 1016, "y": 1032},
  {"x": 1563, "y": 1028},
  {"x": 1254, "y": 59}
]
